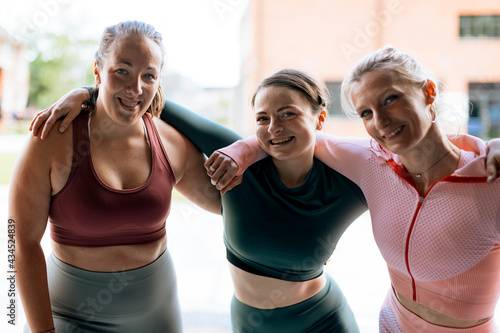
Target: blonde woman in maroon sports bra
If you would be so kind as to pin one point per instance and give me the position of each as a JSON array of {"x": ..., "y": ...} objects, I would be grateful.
[{"x": 105, "y": 185}]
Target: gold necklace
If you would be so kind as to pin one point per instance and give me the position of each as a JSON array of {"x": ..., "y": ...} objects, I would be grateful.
[{"x": 418, "y": 175}]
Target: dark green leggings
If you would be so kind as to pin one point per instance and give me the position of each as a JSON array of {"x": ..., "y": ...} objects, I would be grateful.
[{"x": 327, "y": 311}]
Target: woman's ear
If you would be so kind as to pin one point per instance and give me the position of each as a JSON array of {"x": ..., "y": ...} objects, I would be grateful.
[
  {"x": 430, "y": 91},
  {"x": 321, "y": 120},
  {"x": 97, "y": 76}
]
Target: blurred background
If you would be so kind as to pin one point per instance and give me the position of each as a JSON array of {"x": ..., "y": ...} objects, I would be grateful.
[{"x": 217, "y": 53}]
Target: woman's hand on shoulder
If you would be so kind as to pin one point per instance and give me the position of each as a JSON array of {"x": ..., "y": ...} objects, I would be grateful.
[
  {"x": 69, "y": 105},
  {"x": 222, "y": 170},
  {"x": 493, "y": 160}
]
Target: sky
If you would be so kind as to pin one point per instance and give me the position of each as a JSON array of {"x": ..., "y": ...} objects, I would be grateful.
[{"x": 200, "y": 36}]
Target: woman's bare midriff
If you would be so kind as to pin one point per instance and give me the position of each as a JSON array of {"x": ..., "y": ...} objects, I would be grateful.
[
  {"x": 110, "y": 258},
  {"x": 268, "y": 293},
  {"x": 437, "y": 317}
]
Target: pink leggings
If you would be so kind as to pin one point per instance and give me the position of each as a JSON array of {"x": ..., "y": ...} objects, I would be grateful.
[{"x": 395, "y": 318}]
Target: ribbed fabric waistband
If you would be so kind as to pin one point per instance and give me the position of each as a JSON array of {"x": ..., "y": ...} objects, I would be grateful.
[
  {"x": 409, "y": 322},
  {"x": 128, "y": 277}
]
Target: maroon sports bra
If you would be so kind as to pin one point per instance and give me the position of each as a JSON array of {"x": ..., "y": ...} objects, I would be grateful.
[{"x": 87, "y": 212}]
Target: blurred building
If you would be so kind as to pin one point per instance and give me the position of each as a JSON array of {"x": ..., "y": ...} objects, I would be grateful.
[
  {"x": 216, "y": 104},
  {"x": 14, "y": 76},
  {"x": 458, "y": 40}
]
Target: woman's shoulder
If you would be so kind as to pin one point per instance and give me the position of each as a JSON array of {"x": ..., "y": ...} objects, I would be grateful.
[
  {"x": 348, "y": 155},
  {"x": 54, "y": 140},
  {"x": 51, "y": 156},
  {"x": 344, "y": 147},
  {"x": 167, "y": 132},
  {"x": 178, "y": 148}
]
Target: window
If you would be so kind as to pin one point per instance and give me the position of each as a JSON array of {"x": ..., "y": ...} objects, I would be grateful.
[
  {"x": 480, "y": 26},
  {"x": 334, "y": 108},
  {"x": 484, "y": 116}
]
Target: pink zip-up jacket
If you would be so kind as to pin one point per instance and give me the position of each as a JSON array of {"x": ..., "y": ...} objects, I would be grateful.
[{"x": 442, "y": 249}]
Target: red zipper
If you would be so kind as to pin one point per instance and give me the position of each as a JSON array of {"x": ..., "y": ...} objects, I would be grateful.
[
  {"x": 405, "y": 175},
  {"x": 407, "y": 248}
]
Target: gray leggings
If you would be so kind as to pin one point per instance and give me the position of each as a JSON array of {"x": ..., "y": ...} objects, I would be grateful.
[
  {"x": 139, "y": 300},
  {"x": 327, "y": 311}
]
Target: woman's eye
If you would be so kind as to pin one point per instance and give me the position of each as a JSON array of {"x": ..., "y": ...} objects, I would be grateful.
[
  {"x": 365, "y": 113},
  {"x": 150, "y": 76},
  {"x": 121, "y": 71},
  {"x": 259, "y": 119},
  {"x": 390, "y": 99}
]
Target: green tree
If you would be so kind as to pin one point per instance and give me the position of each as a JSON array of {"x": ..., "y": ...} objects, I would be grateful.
[{"x": 59, "y": 65}]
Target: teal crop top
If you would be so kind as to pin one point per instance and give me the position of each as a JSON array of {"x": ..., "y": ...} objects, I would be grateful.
[{"x": 269, "y": 229}]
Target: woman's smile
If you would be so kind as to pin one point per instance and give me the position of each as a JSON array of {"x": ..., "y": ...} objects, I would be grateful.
[
  {"x": 281, "y": 141},
  {"x": 129, "y": 104},
  {"x": 394, "y": 133}
]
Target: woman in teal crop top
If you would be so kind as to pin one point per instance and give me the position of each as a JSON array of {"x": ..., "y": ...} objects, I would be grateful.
[
  {"x": 92, "y": 182},
  {"x": 282, "y": 223}
]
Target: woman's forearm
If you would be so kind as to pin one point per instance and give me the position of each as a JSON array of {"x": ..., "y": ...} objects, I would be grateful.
[
  {"x": 33, "y": 287},
  {"x": 207, "y": 135}
]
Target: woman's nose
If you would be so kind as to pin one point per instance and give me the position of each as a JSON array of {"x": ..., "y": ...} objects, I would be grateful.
[
  {"x": 275, "y": 126},
  {"x": 381, "y": 119},
  {"x": 134, "y": 86}
]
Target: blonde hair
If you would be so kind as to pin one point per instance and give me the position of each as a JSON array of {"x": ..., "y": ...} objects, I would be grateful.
[
  {"x": 403, "y": 65},
  {"x": 129, "y": 28}
]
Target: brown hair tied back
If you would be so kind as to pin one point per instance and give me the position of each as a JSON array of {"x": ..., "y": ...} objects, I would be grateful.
[{"x": 315, "y": 92}]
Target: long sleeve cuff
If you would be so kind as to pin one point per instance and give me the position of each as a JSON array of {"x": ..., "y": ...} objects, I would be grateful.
[{"x": 244, "y": 153}]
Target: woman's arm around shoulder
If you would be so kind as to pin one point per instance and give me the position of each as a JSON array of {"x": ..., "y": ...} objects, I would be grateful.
[
  {"x": 479, "y": 147},
  {"x": 39, "y": 169},
  {"x": 187, "y": 163},
  {"x": 344, "y": 154},
  {"x": 205, "y": 134},
  {"x": 243, "y": 152},
  {"x": 226, "y": 165},
  {"x": 339, "y": 153},
  {"x": 68, "y": 106}
]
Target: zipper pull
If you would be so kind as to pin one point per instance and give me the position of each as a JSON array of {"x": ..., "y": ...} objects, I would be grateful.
[{"x": 420, "y": 199}]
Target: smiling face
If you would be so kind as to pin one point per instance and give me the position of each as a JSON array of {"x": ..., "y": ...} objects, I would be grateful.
[
  {"x": 285, "y": 123},
  {"x": 128, "y": 78},
  {"x": 395, "y": 113}
]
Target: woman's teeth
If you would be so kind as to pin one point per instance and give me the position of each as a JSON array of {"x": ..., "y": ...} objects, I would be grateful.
[
  {"x": 278, "y": 141},
  {"x": 128, "y": 103},
  {"x": 396, "y": 131}
]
